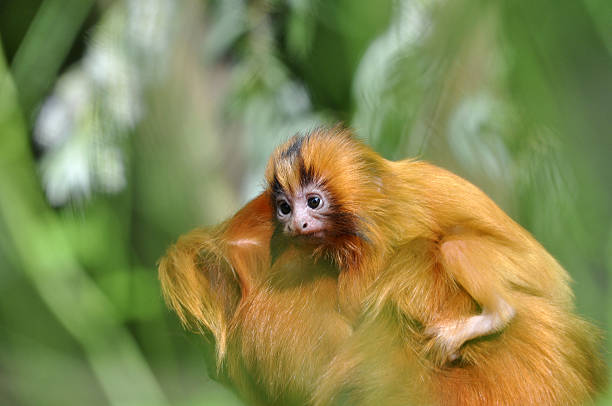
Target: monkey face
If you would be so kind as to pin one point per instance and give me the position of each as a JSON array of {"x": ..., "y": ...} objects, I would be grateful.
[{"x": 304, "y": 212}]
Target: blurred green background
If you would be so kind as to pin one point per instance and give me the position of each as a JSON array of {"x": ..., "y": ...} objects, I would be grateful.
[{"x": 126, "y": 123}]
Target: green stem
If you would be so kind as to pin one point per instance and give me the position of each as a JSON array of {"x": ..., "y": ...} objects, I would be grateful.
[{"x": 44, "y": 48}]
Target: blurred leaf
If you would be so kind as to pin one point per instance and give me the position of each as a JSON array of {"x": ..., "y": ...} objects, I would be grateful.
[
  {"x": 44, "y": 48},
  {"x": 324, "y": 42},
  {"x": 30, "y": 362},
  {"x": 228, "y": 22}
]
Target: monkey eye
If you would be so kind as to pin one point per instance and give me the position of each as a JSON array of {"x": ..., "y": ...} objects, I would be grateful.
[
  {"x": 314, "y": 202},
  {"x": 283, "y": 207}
]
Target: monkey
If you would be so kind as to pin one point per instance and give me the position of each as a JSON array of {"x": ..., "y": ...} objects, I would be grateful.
[
  {"x": 272, "y": 311},
  {"x": 346, "y": 312},
  {"x": 469, "y": 304}
]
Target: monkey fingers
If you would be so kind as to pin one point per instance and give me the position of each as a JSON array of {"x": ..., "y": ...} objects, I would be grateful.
[
  {"x": 444, "y": 342},
  {"x": 449, "y": 336}
]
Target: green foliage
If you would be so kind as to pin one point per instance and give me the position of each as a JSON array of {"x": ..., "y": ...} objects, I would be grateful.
[
  {"x": 45, "y": 46},
  {"x": 167, "y": 119}
]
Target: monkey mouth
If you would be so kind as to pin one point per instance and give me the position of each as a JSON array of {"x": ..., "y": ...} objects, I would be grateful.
[{"x": 315, "y": 234}]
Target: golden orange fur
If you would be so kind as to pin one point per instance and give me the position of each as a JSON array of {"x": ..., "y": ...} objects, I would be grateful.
[
  {"x": 276, "y": 326},
  {"x": 423, "y": 292},
  {"x": 482, "y": 312},
  {"x": 207, "y": 272}
]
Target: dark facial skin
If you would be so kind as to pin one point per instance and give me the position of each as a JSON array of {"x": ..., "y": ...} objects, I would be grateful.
[{"x": 304, "y": 213}]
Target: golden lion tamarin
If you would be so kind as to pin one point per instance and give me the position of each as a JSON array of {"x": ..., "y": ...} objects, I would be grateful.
[
  {"x": 354, "y": 280},
  {"x": 428, "y": 259}
]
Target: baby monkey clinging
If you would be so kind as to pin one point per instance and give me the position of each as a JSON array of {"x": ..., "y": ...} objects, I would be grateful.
[{"x": 416, "y": 238}]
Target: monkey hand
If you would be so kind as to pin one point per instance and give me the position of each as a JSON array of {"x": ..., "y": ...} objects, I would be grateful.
[
  {"x": 444, "y": 341},
  {"x": 448, "y": 336}
]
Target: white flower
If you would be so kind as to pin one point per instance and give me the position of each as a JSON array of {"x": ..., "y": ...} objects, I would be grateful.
[{"x": 66, "y": 173}]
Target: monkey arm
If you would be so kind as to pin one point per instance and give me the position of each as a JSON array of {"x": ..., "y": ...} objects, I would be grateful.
[{"x": 480, "y": 267}]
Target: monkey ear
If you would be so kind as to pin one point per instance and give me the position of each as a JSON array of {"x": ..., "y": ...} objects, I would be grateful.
[{"x": 198, "y": 283}]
